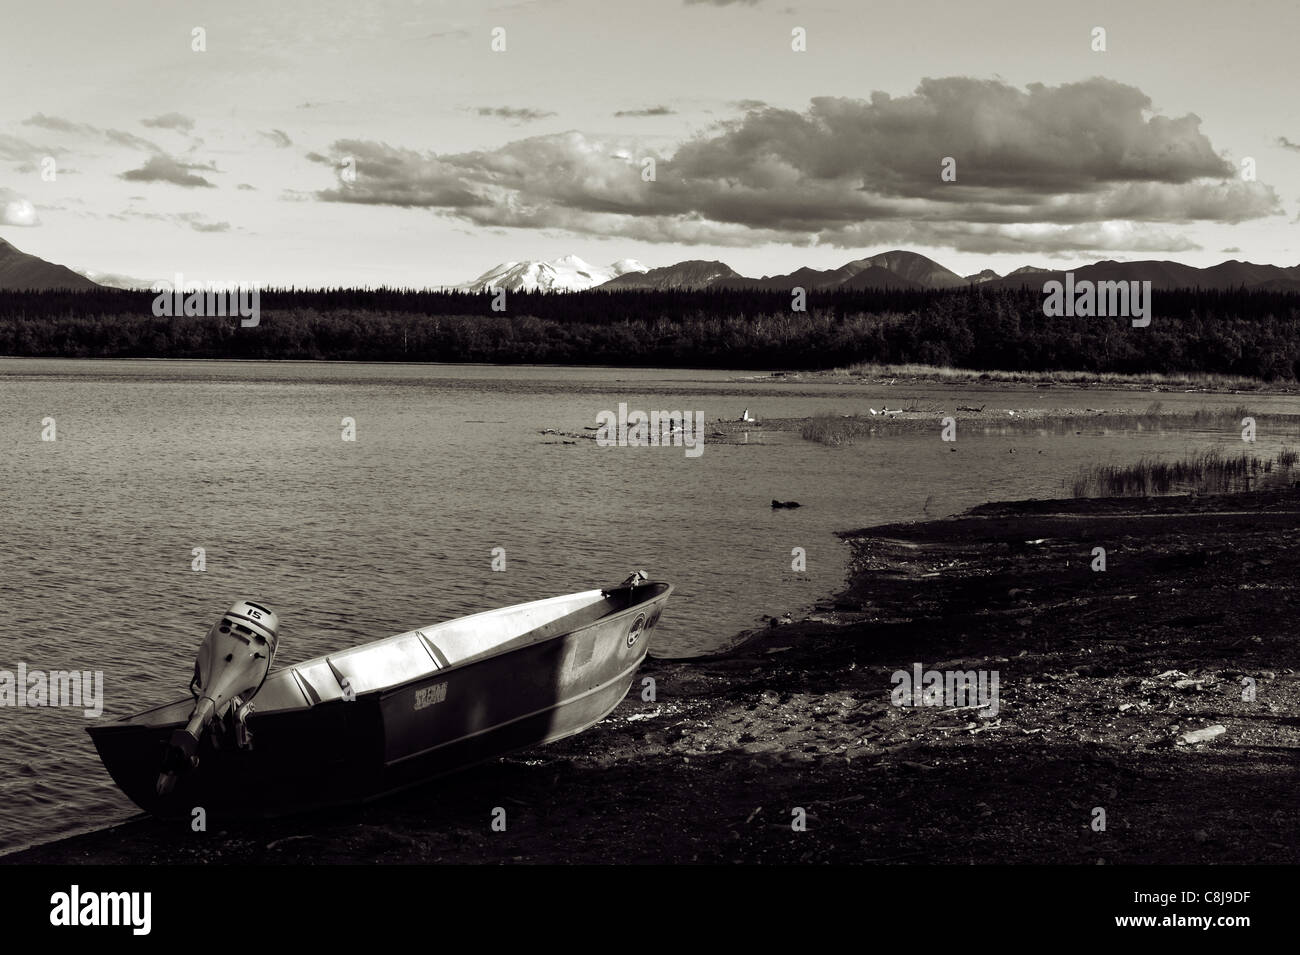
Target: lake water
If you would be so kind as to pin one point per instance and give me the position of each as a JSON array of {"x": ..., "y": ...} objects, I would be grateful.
[{"x": 352, "y": 541}]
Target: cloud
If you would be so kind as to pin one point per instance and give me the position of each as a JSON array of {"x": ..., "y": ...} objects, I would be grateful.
[
  {"x": 396, "y": 177},
  {"x": 200, "y": 223},
  {"x": 1073, "y": 137},
  {"x": 66, "y": 126},
  {"x": 1085, "y": 165},
  {"x": 177, "y": 121},
  {"x": 1230, "y": 249},
  {"x": 15, "y": 149},
  {"x": 277, "y": 137},
  {"x": 246, "y": 187},
  {"x": 195, "y": 220},
  {"x": 1287, "y": 144},
  {"x": 649, "y": 111},
  {"x": 16, "y": 210},
  {"x": 522, "y": 115},
  {"x": 1026, "y": 238},
  {"x": 130, "y": 140},
  {"x": 58, "y": 124},
  {"x": 163, "y": 168}
]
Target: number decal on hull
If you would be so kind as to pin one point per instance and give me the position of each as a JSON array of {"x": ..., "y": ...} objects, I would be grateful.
[{"x": 429, "y": 695}]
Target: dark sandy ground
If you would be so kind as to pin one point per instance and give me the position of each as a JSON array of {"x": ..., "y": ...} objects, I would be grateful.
[{"x": 1100, "y": 674}]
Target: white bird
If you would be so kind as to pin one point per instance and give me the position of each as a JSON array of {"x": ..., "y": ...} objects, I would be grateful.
[{"x": 746, "y": 417}]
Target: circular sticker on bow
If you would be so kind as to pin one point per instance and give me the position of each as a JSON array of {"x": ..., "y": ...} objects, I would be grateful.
[{"x": 638, "y": 625}]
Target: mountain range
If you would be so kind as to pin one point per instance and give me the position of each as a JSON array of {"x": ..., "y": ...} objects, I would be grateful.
[
  {"x": 897, "y": 269},
  {"x": 900, "y": 269},
  {"x": 909, "y": 270}
]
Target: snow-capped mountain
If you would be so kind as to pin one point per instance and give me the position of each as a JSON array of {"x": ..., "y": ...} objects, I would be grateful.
[{"x": 567, "y": 274}]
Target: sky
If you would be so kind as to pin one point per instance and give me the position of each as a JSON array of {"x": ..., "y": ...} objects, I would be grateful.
[{"x": 125, "y": 151}]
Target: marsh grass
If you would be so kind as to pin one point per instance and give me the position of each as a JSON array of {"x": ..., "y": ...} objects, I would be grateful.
[
  {"x": 1153, "y": 418},
  {"x": 1194, "y": 381},
  {"x": 1206, "y": 472},
  {"x": 836, "y": 430}
]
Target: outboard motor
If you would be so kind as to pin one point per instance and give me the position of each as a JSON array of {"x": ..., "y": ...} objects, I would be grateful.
[{"x": 230, "y": 668}]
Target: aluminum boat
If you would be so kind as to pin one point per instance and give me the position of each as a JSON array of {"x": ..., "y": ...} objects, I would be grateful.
[{"x": 357, "y": 724}]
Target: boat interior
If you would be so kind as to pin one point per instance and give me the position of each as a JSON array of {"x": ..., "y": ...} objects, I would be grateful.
[{"x": 395, "y": 660}]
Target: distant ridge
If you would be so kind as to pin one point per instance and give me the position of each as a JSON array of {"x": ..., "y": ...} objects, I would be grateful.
[
  {"x": 876, "y": 276},
  {"x": 899, "y": 269},
  {"x": 895, "y": 270},
  {"x": 691, "y": 274},
  {"x": 917, "y": 268},
  {"x": 18, "y": 270},
  {"x": 1166, "y": 275}
]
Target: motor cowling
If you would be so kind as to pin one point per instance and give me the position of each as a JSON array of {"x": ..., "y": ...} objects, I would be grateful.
[{"x": 232, "y": 663}]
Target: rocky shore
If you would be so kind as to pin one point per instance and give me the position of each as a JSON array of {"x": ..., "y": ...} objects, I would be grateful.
[{"x": 1147, "y": 712}]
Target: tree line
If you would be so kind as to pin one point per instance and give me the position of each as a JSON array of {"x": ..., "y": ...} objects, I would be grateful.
[{"x": 1234, "y": 332}]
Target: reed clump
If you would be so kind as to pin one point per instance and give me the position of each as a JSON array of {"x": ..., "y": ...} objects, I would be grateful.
[
  {"x": 1206, "y": 472},
  {"x": 835, "y": 430}
]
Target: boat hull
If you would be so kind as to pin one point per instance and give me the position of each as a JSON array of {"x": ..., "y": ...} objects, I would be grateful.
[{"x": 364, "y": 745}]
